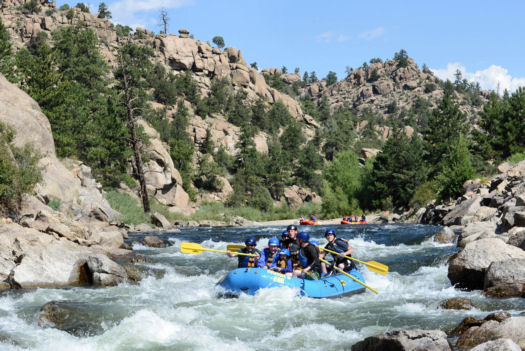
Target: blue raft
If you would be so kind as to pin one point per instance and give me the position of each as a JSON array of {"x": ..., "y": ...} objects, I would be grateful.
[{"x": 250, "y": 280}]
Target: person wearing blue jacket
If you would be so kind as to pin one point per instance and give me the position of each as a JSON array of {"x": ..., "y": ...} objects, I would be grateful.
[
  {"x": 268, "y": 254},
  {"x": 247, "y": 261},
  {"x": 282, "y": 263}
]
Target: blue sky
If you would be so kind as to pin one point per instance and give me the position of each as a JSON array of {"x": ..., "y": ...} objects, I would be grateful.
[{"x": 484, "y": 39}]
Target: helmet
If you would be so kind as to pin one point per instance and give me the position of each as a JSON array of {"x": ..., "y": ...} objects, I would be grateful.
[
  {"x": 291, "y": 227},
  {"x": 284, "y": 252},
  {"x": 273, "y": 242},
  {"x": 285, "y": 233},
  {"x": 329, "y": 231},
  {"x": 304, "y": 236},
  {"x": 314, "y": 242},
  {"x": 293, "y": 247},
  {"x": 251, "y": 241}
]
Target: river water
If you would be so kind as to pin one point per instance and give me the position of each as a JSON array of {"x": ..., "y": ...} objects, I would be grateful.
[{"x": 175, "y": 307}]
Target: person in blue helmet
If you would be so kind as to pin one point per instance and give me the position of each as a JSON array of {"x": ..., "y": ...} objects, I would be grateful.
[
  {"x": 282, "y": 263},
  {"x": 268, "y": 254},
  {"x": 247, "y": 261},
  {"x": 308, "y": 257},
  {"x": 340, "y": 246}
]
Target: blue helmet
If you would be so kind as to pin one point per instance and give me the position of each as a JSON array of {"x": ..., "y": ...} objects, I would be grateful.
[
  {"x": 285, "y": 252},
  {"x": 304, "y": 236},
  {"x": 285, "y": 233},
  {"x": 314, "y": 242},
  {"x": 251, "y": 241},
  {"x": 273, "y": 242},
  {"x": 329, "y": 231}
]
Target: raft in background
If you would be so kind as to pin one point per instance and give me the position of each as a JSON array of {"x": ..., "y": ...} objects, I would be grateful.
[
  {"x": 307, "y": 222},
  {"x": 250, "y": 280},
  {"x": 350, "y": 222}
]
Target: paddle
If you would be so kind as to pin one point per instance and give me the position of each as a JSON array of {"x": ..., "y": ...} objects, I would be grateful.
[
  {"x": 372, "y": 265},
  {"x": 235, "y": 247},
  {"x": 357, "y": 280},
  {"x": 196, "y": 249}
]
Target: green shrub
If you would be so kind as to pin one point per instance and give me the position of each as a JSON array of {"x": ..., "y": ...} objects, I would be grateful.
[
  {"x": 19, "y": 171},
  {"x": 131, "y": 212},
  {"x": 515, "y": 158},
  {"x": 54, "y": 204},
  {"x": 424, "y": 194},
  {"x": 64, "y": 7}
]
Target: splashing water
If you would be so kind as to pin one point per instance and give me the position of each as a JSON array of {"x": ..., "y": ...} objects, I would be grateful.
[{"x": 175, "y": 307}]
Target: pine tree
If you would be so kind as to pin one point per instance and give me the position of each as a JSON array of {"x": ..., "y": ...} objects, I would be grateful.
[
  {"x": 445, "y": 126},
  {"x": 103, "y": 11},
  {"x": 6, "y": 53}
]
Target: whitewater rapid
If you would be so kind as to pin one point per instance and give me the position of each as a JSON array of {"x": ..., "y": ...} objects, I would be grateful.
[{"x": 175, "y": 306}]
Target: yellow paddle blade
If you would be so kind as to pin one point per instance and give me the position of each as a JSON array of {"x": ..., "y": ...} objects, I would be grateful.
[
  {"x": 372, "y": 265},
  {"x": 351, "y": 276},
  {"x": 191, "y": 248},
  {"x": 235, "y": 247}
]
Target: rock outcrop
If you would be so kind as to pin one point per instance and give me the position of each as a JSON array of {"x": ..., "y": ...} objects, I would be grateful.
[
  {"x": 511, "y": 328},
  {"x": 405, "y": 340}
]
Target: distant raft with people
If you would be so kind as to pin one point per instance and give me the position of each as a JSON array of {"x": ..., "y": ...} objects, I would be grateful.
[
  {"x": 251, "y": 280},
  {"x": 307, "y": 222},
  {"x": 352, "y": 222}
]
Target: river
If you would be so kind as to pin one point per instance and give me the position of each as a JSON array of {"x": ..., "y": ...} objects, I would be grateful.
[{"x": 175, "y": 306}]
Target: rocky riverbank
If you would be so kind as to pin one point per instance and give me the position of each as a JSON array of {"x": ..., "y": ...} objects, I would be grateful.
[{"x": 490, "y": 220}]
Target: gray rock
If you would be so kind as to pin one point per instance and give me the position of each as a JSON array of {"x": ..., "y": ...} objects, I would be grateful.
[
  {"x": 445, "y": 236},
  {"x": 405, "y": 340},
  {"x": 105, "y": 272},
  {"x": 160, "y": 221},
  {"x": 507, "y": 278},
  {"x": 511, "y": 328},
  {"x": 153, "y": 241},
  {"x": 457, "y": 304},
  {"x": 77, "y": 318},
  {"x": 464, "y": 213},
  {"x": 517, "y": 237},
  {"x": 467, "y": 268},
  {"x": 497, "y": 345},
  {"x": 514, "y": 216}
]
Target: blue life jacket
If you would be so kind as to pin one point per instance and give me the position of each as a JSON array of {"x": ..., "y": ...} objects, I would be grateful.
[
  {"x": 247, "y": 261},
  {"x": 267, "y": 258},
  {"x": 303, "y": 261},
  {"x": 286, "y": 264}
]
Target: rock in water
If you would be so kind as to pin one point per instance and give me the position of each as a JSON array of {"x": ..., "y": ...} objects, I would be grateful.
[{"x": 405, "y": 340}]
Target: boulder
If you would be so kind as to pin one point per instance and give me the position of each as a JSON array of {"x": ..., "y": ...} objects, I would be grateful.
[
  {"x": 506, "y": 278},
  {"x": 369, "y": 153},
  {"x": 477, "y": 230},
  {"x": 76, "y": 318},
  {"x": 517, "y": 237},
  {"x": 511, "y": 328},
  {"x": 514, "y": 216},
  {"x": 153, "y": 241},
  {"x": 179, "y": 53},
  {"x": 445, "y": 236},
  {"x": 160, "y": 221},
  {"x": 467, "y": 268},
  {"x": 457, "y": 304},
  {"x": 382, "y": 87},
  {"x": 464, "y": 213},
  {"x": 30, "y": 259},
  {"x": 497, "y": 345},
  {"x": 405, "y": 340}
]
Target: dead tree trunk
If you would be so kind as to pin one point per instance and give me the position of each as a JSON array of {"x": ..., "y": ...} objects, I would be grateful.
[{"x": 135, "y": 142}]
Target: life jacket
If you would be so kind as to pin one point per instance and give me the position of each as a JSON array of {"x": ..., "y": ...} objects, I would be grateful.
[
  {"x": 303, "y": 261},
  {"x": 295, "y": 261},
  {"x": 340, "y": 246},
  {"x": 248, "y": 261},
  {"x": 282, "y": 263},
  {"x": 269, "y": 256}
]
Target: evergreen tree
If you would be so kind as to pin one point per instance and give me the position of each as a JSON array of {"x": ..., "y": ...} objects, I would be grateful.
[
  {"x": 397, "y": 171},
  {"x": 331, "y": 78},
  {"x": 219, "y": 41},
  {"x": 6, "y": 53},
  {"x": 445, "y": 126},
  {"x": 459, "y": 169},
  {"x": 309, "y": 161},
  {"x": 402, "y": 58},
  {"x": 103, "y": 11}
]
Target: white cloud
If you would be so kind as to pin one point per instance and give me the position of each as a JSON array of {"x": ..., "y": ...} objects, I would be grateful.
[
  {"x": 492, "y": 78},
  {"x": 329, "y": 37},
  {"x": 141, "y": 13},
  {"x": 372, "y": 34}
]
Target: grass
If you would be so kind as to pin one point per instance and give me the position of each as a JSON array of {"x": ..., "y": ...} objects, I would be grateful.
[
  {"x": 132, "y": 212},
  {"x": 515, "y": 158}
]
